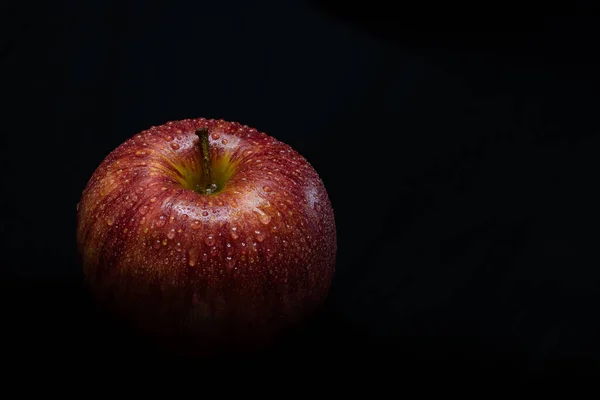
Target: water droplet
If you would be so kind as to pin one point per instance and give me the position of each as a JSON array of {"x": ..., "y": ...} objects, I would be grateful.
[
  {"x": 184, "y": 217},
  {"x": 171, "y": 234},
  {"x": 162, "y": 220},
  {"x": 196, "y": 224},
  {"x": 234, "y": 233},
  {"x": 141, "y": 153},
  {"x": 152, "y": 200},
  {"x": 210, "y": 239},
  {"x": 193, "y": 256},
  {"x": 164, "y": 242},
  {"x": 266, "y": 188},
  {"x": 156, "y": 244},
  {"x": 178, "y": 248},
  {"x": 163, "y": 188},
  {"x": 109, "y": 221},
  {"x": 247, "y": 153},
  {"x": 260, "y": 235},
  {"x": 317, "y": 206},
  {"x": 269, "y": 253},
  {"x": 262, "y": 216},
  {"x": 204, "y": 213},
  {"x": 139, "y": 189},
  {"x": 174, "y": 146},
  {"x": 204, "y": 257},
  {"x": 168, "y": 138},
  {"x": 213, "y": 251},
  {"x": 230, "y": 262}
]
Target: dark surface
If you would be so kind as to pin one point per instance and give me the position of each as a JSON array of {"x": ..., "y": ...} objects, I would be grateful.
[{"x": 468, "y": 244}]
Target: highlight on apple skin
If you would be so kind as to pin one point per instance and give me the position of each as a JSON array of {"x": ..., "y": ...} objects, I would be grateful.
[{"x": 206, "y": 235}]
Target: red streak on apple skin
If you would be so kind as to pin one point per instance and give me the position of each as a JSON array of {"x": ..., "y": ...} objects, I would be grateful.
[{"x": 232, "y": 268}]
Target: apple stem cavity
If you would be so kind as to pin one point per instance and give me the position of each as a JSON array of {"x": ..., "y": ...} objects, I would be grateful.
[{"x": 207, "y": 185}]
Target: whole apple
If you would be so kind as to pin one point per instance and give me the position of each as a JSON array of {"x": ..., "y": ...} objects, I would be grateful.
[{"x": 207, "y": 235}]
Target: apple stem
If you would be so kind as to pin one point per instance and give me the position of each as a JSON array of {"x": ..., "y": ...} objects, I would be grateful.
[{"x": 207, "y": 184}]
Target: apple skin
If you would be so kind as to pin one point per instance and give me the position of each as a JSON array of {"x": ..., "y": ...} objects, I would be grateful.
[{"x": 204, "y": 273}]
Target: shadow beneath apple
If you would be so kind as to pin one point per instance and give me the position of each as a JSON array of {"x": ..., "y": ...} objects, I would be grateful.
[{"x": 51, "y": 320}]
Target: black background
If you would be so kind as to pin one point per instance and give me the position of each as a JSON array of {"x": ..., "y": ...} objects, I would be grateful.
[{"x": 458, "y": 146}]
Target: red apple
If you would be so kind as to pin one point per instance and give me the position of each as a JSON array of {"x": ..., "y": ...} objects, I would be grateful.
[{"x": 207, "y": 234}]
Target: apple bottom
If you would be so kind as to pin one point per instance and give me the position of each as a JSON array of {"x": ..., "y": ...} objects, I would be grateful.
[{"x": 196, "y": 321}]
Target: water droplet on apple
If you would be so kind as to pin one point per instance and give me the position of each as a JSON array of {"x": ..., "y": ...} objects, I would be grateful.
[
  {"x": 204, "y": 213},
  {"x": 168, "y": 138},
  {"x": 215, "y": 136},
  {"x": 224, "y": 141},
  {"x": 162, "y": 220},
  {"x": 141, "y": 153},
  {"x": 156, "y": 244},
  {"x": 204, "y": 257},
  {"x": 193, "y": 256},
  {"x": 143, "y": 209},
  {"x": 210, "y": 239},
  {"x": 246, "y": 153},
  {"x": 109, "y": 221},
  {"x": 164, "y": 242},
  {"x": 260, "y": 235},
  {"x": 230, "y": 262},
  {"x": 153, "y": 200},
  {"x": 178, "y": 248},
  {"x": 184, "y": 217},
  {"x": 139, "y": 189},
  {"x": 317, "y": 206},
  {"x": 196, "y": 224},
  {"x": 171, "y": 234},
  {"x": 263, "y": 217},
  {"x": 174, "y": 146},
  {"x": 234, "y": 233},
  {"x": 269, "y": 252},
  {"x": 266, "y": 188}
]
